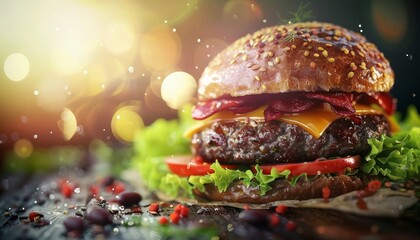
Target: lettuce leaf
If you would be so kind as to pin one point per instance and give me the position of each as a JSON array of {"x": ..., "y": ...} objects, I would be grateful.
[{"x": 396, "y": 157}]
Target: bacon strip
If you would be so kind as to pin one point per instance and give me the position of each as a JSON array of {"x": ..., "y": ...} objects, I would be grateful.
[{"x": 282, "y": 103}]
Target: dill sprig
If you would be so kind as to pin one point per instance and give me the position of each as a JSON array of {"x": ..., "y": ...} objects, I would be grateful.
[{"x": 302, "y": 14}]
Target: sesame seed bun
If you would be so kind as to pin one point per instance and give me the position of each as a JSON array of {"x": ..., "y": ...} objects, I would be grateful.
[{"x": 307, "y": 57}]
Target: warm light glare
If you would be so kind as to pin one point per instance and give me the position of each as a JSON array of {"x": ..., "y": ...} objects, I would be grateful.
[
  {"x": 160, "y": 49},
  {"x": 178, "y": 88},
  {"x": 119, "y": 38},
  {"x": 23, "y": 148},
  {"x": 16, "y": 66},
  {"x": 125, "y": 123},
  {"x": 67, "y": 124}
]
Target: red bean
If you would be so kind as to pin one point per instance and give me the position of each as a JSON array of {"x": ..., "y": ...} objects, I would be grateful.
[
  {"x": 255, "y": 217},
  {"x": 99, "y": 216},
  {"x": 128, "y": 199},
  {"x": 73, "y": 223}
]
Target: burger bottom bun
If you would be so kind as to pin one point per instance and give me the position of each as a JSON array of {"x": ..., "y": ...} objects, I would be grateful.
[{"x": 282, "y": 190}]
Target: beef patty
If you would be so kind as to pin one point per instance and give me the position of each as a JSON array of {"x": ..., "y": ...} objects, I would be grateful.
[{"x": 240, "y": 142}]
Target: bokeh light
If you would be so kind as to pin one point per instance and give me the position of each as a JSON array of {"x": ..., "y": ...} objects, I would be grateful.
[
  {"x": 126, "y": 122},
  {"x": 119, "y": 37},
  {"x": 178, "y": 88},
  {"x": 23, "y": 148},
  {"x": 160, "y": 48},
  {"x": 16, "y": 66},
  {"x": 390, "y": 18},
  {"x": 67, "y": 124}
]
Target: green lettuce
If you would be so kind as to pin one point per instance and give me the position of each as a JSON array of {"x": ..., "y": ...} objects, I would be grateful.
[{"x": 396, "y": 157}]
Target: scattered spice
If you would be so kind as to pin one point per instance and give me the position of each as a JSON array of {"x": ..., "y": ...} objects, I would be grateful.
[
  {"x": 281, "y": 209},
  {"x": 163, "y": 220},
  {"x": 175, "y": 217},
  {"x": 326, "y": 192},
  {"x": 290, "y": 226},
  {"x": 154, "y": 208}
]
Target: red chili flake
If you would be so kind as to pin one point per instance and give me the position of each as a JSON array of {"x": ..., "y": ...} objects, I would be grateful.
[
  {"x": 67, "y": 189},
  {"x": 154, "y": 208},
  {"x": 290, "y": 226},
  {"x": 281, "y": 209},
  {"x": 326, "y": 192},
  {"x": 184, "y": 211},
  {"x": 174, "y": 217},
  {"x": 371, "y": 188},
  {"x": 274, "y": 220},
  {"x": 163, "y": 220},
  {"x": 116, "y": 188},
  {"x": 94, "y": 190},
  {"x": 33, "y": 216},
  {"x": 136, "y": 210},
  {"x": 361, "y": 204}
]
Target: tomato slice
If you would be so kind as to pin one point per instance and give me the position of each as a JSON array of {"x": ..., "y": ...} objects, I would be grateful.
[
  {"x": 187, "y": 165},
  {"x": 319, "y": 166}
]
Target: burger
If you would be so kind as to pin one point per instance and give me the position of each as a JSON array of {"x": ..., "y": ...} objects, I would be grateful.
[{"x": 285, "y": 113}]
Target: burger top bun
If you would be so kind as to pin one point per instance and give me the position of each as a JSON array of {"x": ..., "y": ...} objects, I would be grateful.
[{"x": 308, "y": 57}]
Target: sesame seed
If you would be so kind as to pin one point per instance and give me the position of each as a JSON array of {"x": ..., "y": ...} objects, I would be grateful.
[
  {"x": 233, "y": 61},
  {"x": 306, "y": 53},
  {"x": 270, "y": 63},
  {"x": 379, "y": 64},
  {"x": 320, "y": 48},
  {"x": 328, "y": 44},
  {"x": 325, "y": 53},
  {"x": 372, "y": 69},
  {"x": 287, "y": 49},
  {"x": 309, "y": 47},
  {"x": 331, "y": 60},
  {"x": 312, "y": 64},
  {"x": 277, "y": 60},
  {"x": 350, "y": 75},
  {"x": 294, "y": 46},
  {"x": 345, "y": 50},
  {"x": 244, "y": 57},
  {"x": 328, "y": 38},
  {"x": 361, "y": 54},
  {"x": 353, "y": 53},
  {"x": 353, "y": 66},
  {"x": 270, "y": 54},
  {"x": 309, "y": 40},
  {"x": 316, "y": 55},
  {"x": 336, "y": 38},
  {"x": 263, "y": 87},
  {"x": 263, "y": 69},
  {"x": 257, "y": 78},
  {"x": 305, "y": 43},
  {"x": 255, "y": 67},
  {"x": 248, "y": 65}
]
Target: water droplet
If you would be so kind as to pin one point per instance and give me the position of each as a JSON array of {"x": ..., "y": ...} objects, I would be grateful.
[
  {"x": 36, "y": 92},
  {"x": 77, "y": 190},
  {"x": 198, "y": 40},
  {"x": 85, "y": 72},
  {"x": 360, "y": 25},
  {"x": 361, "y": 30},
  {"x": 265, "y": 21},
  {"x": 414, "y": 95},
  {"x": 173, "y": 29},
  {"x": 130, "y": 69},
  {"x": 409, "y": 56},
  {"x": 166, "y": 21},
  {"x": 35, "y": 136}
]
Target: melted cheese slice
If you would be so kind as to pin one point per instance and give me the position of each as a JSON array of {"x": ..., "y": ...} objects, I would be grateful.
[{"x": 314, "y": 121}]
